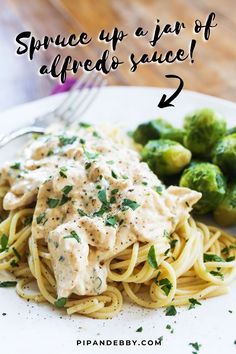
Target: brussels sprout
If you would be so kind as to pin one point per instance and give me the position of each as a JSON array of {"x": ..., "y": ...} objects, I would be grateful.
[
  {"x": 224, "y": 154},
  {"x": 203, "y": 128},
  {"x": 175, "y": 134},
  {"x": 166, "y": 157},
  {"x": 231, "y": 131},
  {"x": 208, "y": 179},
  {"x": 151, "y": 130},
  {"x": 225, "y": 214}
]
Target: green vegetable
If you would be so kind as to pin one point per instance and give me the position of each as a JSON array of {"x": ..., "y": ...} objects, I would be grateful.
[
  {"x": 60, "y": 303},
  {"x": 225, "y": 214},
  {"x": 207, "y": 257},
  {"x": 67, "y": 189},
  {"x": 62, "y": 172},
  {"x": 165, "y": 157},
  {"x": 4, "y": 243},
  {"x": 16, "y": 253},
  {"x": 52, "y": 203},
  {"x": 152, "y": 257},
  {"x": 224, "y": 155},
  {"x": 208, "y": 179},
  {"x": 217, "y": 274},
  {"x": 64, "y": 199},
  {"x": 174, "y": 134},
  {"x": 7, "y": 284},
  {"x": 196, "y": 345},
  {"x": 165, "y": 285},
  {"x": 128, "y": 203},
  {"x": 193, "y": 303},
  {"x": 74, "y": 235},
  {"x": 204, "y": 127},
  {"x": 91, "y": 155},
  {"x": 111, "y": 221},
  {"x": 63, "y": 140},
  {"x": 114, "y": 175},
  {"x": 140, "y": 329},
  {"x": 102, "y": 196},
  {"x": 81, "y": 212},
  {"x": 28, "y": 220},
  {"x": 84, "y": 125},
  {"x": 16, "y": 166},
  {"x": 40, "y": 218},
  {"x": 159, "y": 189},
  {"x": 231, "y": 131},
  {"x": 150, "y": 130},
  {"x": 170, "y": 311}
]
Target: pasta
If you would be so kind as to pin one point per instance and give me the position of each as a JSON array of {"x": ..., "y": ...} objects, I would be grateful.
[
  {"x": 92, "y": 225},
  {"x": 200, "y": 263}
]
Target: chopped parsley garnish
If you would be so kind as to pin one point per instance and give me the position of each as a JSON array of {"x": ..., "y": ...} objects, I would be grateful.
[
  {"x": 111, "y": 221},
  {"x": 81, "y": 212},
  {"x": 84, "y": 125},
  {"x": 60, "y": 303},
  {"x": 50, "y": 153},
  {"x": 74, "y": 235},
  {"x": 16, "y": 166},
  {"x": 114, "y": 191},
  {"x": 152, "y": 257},
  {"x": 128, "y": 203},
  {"x": 159, "y": 189},
  {"x": 102, "y": 196},
  {"x": 227, "y": 249},
  {"x": 193, "y": 303},
  {"x": 104, "y": 208},
  {"x": 90, "y": 155},
  {"x": 87, "y": 165},
  {"x": 125, "y": 177},
  {"x": 165, "y": 285},
  {"x": 110, "y": 162},
  {"x": 67, "y": 189},
  {"x": 113, "y": 174},
  {"x": 40, "y": 218},
  {"x": 140, "y": 329},
  {"x": 196, "y": 346},
  {"x": 4, "y": 243},
  {"x": 230, "y": 259},
  {"x": 113, "y": 199},
  {"x": 61, "y": 258},
  {"x": 7, "y": 284},
  {"x": 170, "y": 311},
  {"x": 13, "y": 263},
  {"x": 64, "y": 199},
  {"x": 217, "y": 274},
  {"x": 28, "y": 220},
  {"x": 105, "y": 203},
  {"x": 16, "y": 253},
  {"x": 82, "y": 141},
  {"x": 166, "y": 234},
  {"x": 62, "y": 172},
  {"x": 173, "y": 243},
  {"x": 53, "y": 203},
  {"x": 66, "y": 140},
  {"x": 96, "y": 134},
  {"x": 170, "y": 328},
  {"x": 207, "y": 257},
  {"x": 144, "y": 183}
]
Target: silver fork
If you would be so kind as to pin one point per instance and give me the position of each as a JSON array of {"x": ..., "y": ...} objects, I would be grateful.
[{"x": 75, "y": 104}]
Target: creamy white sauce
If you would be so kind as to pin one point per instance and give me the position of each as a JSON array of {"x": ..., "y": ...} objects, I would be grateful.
[{"x": 94, "y": 198}]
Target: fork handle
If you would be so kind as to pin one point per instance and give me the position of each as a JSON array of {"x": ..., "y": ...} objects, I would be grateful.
[{"x": 18, "y": 133}]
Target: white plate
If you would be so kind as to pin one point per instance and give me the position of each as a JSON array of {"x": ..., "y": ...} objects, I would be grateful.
[{"x": 30, "y": 328}]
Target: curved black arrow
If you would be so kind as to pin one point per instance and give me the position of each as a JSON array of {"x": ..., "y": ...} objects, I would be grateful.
[{"x": 166, "y": 102}]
